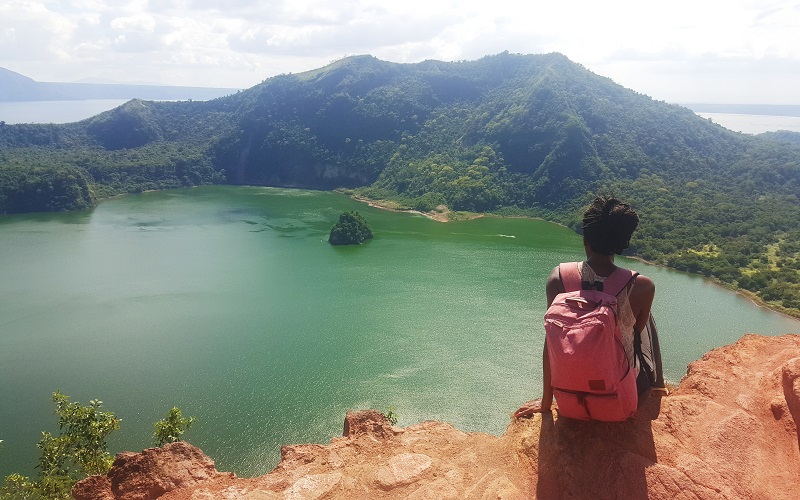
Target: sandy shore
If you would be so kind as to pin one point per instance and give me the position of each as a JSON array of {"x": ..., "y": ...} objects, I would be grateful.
[{"x": 442, "y": 214}]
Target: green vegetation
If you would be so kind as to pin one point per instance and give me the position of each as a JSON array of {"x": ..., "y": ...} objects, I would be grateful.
[
  {"x": 391, "y": 416},
  {"x": 350, "y": 229},
  {"x": 782, "y": 136},
  {"x": 80, "y": 449},
  {"x": 535, "y": 135},
  {"x": 44, "y": 189},
  {"x": 171, "y": 428}
]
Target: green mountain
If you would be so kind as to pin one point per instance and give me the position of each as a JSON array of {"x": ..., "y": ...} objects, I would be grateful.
[{"x": 513, "y": 134}]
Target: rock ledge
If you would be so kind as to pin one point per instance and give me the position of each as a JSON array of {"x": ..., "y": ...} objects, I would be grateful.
[{"x": 729, "y": 430}]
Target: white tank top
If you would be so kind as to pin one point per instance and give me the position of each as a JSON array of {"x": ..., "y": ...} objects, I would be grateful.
[{"x": 626, "y": 319}]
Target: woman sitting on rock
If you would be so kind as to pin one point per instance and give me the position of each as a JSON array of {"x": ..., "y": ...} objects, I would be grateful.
[{"x": 608, "y": 225}]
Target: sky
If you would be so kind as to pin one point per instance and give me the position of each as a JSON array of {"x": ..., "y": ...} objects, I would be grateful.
[{"x": 680, "y": 51}]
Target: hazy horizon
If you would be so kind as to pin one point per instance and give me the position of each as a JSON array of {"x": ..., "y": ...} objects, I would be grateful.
[
  {"x": 716, "y": 51},
  {"x": 690, "y": 105}
]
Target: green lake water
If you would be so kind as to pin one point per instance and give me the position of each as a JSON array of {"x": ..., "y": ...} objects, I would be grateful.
[{"x": 229, "y": 303}]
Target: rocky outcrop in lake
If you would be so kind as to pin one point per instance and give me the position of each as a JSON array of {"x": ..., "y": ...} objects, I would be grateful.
[{"x": 729, "y": 430}]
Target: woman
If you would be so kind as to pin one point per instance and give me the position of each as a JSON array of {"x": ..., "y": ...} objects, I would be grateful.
[{"x": 607, "y": 228}]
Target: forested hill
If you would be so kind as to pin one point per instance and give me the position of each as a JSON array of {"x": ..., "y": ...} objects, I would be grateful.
[{"x": 531, "y": 134}]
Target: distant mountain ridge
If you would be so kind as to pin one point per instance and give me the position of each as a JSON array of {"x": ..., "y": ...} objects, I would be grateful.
[
  {"x": 17, "y": 87},
  {"x": 512, "y": 134},
  {"x": 747, "y": 109}
]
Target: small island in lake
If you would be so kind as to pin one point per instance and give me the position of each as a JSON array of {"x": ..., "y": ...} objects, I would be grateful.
[{"x": 351, "y": 229}]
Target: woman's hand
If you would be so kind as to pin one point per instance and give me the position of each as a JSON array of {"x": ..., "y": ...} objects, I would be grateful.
[{"x": 528, "y": 409}]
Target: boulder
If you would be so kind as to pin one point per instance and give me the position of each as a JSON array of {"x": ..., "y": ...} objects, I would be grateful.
[{"x": 150, "y": 474}]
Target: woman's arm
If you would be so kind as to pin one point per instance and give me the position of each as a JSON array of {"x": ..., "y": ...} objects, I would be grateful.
[
  {"x": 544, "y": 404},
  {"x": 553, "y": 288},
  {"x": 547, "y": 386},
  {"x": 641, "y": 300}
]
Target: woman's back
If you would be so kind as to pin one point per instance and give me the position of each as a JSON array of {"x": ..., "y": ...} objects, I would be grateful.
[{"x": 608, "y": 225}]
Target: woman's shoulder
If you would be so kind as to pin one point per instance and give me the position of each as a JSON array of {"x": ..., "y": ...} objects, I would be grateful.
[
  {"x": 555, "y": 277},
  {"x": 643, "y": 285},
  {"x": 644, "y": 281}
]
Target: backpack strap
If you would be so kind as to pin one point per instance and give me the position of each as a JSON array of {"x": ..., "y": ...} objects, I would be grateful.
[
  {"x": 612, "y": 285},
  {"x": 618, "y": 280},
  {"x": 570, "y": 276}
]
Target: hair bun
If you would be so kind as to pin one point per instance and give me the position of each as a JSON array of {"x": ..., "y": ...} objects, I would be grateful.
[{"x": 609, "y": 206}]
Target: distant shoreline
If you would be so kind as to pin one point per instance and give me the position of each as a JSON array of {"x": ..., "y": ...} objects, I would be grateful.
[
  {"x": 444, "y": 217},
  {"x": 746, "y": 109},
  {"x": 747, "y": 294}
]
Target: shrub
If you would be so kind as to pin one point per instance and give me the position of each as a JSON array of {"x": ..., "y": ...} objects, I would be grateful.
[{"x": 171, "y": 428}]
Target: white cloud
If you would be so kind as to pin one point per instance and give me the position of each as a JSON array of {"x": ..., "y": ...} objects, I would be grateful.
[
  {"x": 32, "y": 31},
  {"x": 9, "y": 36},
  {"x": 668, "y": 50},
  {"x": 140, "y": 22}
]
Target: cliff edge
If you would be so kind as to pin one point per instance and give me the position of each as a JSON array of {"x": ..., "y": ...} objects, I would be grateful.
[{"x": 729, "y": 430}]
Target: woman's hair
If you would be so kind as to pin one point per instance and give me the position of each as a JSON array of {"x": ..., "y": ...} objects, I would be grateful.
[{"x": 608, "y": 225}]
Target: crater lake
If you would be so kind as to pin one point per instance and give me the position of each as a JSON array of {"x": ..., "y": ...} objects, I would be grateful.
[{"x": 229, "y": 303}]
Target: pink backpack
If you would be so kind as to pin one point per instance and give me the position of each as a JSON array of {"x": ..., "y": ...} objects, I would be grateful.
[{"x": 590, "y": 373}]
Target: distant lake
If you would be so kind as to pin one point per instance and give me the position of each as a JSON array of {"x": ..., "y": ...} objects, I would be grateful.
[
  {"x": 55, "y": 111},
  {"x": 754, "y": 124},
  {"x": 229, "y": 303}
]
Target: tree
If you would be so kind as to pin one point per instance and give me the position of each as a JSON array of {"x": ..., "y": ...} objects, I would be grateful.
[
  {"x": 78, "y": 451},
  {"x": 351, "y": 229},
  {"x": 171, "y": 428}
]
